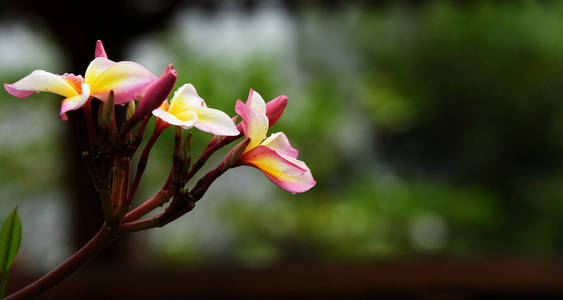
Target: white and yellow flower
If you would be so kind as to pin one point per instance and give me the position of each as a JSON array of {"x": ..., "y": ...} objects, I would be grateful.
[
  {"x": 127, "y": 79},
  {"x": 187, "y": 109}
]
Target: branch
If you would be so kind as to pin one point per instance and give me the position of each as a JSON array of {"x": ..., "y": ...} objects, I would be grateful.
[
  {"x": 215, "y": 144},
  {"x": 100, "y": 241},
  {"x": 183, "y": 201}
]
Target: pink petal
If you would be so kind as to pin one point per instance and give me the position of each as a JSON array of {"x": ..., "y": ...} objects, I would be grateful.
[
  {"x": 155, "y": 95},
  {"x": 17, "y": 93},
  {"x": 168, "y": 68},
  {"x": 255, "y": 124},
  {"x": 275, "y": 108},
  {"x": 100, "y": 51},
  {"x": 288, "y": 173},
  {"x": 279, "y": 142},
  {"x": 72, "y": 103}
]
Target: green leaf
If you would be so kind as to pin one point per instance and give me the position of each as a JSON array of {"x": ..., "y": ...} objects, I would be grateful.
[{"x": 10, "y": 241}]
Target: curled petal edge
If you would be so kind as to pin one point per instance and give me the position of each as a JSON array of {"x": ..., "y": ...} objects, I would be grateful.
[
  {"x": 256, "y": 101},
  {"x": 289, "y": 174},
  {"x": 279, "y": 142},
  {"x": 254, "y": 124},
  {"x": 74, "y": 103},
  {"x": 216, "y": 122},
  {"x": 17, "y": 93},
  {"x": 41, "y": 81}
]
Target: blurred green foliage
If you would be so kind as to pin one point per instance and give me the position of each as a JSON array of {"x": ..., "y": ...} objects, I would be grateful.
[{"x": 432, "y": 130}]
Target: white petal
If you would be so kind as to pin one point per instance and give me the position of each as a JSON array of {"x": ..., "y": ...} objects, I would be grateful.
[
  {"x": 216, "y": 122},
  {"x": 279, "y": 142},
  {"x": 41, "y": 81},
  {"x": 186, "y": 98},
  {"x": 171, "y": 119},
  {"x": 257, "y": 102}
]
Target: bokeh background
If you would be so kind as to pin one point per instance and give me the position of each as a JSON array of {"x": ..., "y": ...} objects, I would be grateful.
[{"x": 434, "y": 130}]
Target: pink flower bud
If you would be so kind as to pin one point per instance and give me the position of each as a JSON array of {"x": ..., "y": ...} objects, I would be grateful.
[
  {"x": 106, "y": 115},
  {"x": 100, "y": 51},
  {"x": 275, "y": 108},
  {"x": 153, "y": 98},
  {"x": 130, "y": 109},
  {"x": 232, "y": 158},
  {"x": 156, "y": 94},
  {"x": 168, "y": 68}
]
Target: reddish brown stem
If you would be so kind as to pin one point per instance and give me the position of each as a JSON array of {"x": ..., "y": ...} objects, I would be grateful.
[
  {"x": 211, "y": 148},
  {"x": 142, "y": 164},
  {"x": 168, "y": 179},
  {"x": 117, "y": 187},
  {"x": 126, "y": 181},
  {"x": 139, "y": 225},
  {"x": 100, "y": 241},
  {"x": 157, "y": 200},
  {"x": 87, "y": 111},
  {"x": 142, "y": 127},
  {"x": 120, "y": 186},
  {"x": 184, "y": 202},
  {"x": 179, "y": 205}
]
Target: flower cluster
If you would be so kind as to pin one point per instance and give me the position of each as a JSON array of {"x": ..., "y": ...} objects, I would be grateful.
[{"x": 114, "y": 87}]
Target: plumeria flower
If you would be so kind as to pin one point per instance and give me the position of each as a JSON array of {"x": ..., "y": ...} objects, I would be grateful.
[
  {"x": 274, "y": 155},
  {"x": 187, "y": 109},
  {"x": 127, "y": 79}
]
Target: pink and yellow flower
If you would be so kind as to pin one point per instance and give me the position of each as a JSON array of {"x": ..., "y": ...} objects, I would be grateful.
[
  {"x": 127, "y": 79},
  {"x": 187, "y": 109},
  {"x": 274, "y": 155}
]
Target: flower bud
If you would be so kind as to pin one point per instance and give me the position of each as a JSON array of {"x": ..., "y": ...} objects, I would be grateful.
[
  {"x": 154, "y": 96},
  {"x": 231, "y": 160},
  {"x": 168, "y": 68},
  {"x": 130, "y": 110},
  {"x": 275, "y": 108},
  {"x": 100, "y": 51},
  {"x": 187, "y": 147},
  {"x": 107, "y": 112}
]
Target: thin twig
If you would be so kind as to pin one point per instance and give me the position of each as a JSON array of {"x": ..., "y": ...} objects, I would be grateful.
[
  {"x": 142, "y": 164},
  {"x": 161, "y": 197}
]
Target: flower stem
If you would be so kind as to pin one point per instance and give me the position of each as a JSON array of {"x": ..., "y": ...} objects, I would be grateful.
[
  {"x": 209, "y": 150},
  {"x": 142, "y": 164},
  {"x": 100, "y": 241},
  {"x": 105, "y": 201},
  {"x": 139, "y": 225},
  {"x": 87, "y": 111},
  {"x": 117, "y": 189},
  {"x": 161, "y": 197}
]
